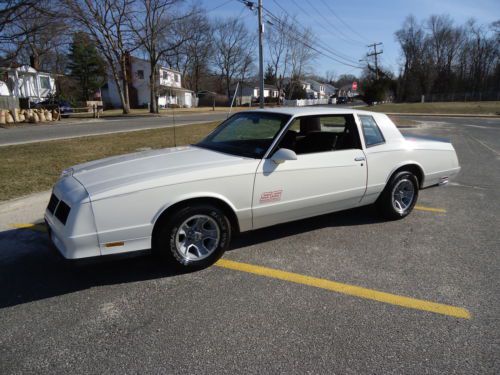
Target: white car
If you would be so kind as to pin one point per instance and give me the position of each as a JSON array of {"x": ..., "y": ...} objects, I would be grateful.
[{"x": 258, "y": 168}]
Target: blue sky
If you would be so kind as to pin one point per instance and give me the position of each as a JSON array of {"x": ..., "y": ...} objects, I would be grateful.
[{"x": 375, "y": 21}]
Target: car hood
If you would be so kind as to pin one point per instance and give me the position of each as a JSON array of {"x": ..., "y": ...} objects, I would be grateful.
[{"x": 145, "y": 170}]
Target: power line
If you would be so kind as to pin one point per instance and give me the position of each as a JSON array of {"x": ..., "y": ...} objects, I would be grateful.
[
  {"x": 218, "y": 6},
  {"x": 321, "y": 45},
  {"x": 301, "y": 38},
  {"x": 349, "y": 39},
  {"x": 341, "y": 20}
]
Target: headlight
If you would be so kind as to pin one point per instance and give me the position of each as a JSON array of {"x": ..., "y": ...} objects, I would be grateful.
[{"x": 67, "y": 173}]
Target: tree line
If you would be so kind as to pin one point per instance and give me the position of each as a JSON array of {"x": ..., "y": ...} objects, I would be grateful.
[
  {"x": 440, "y": 57},
  {"x": 92, "y": 39}
]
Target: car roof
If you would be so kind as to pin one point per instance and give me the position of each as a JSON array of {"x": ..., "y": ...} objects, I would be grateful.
[{"x": 312, "y": 111}]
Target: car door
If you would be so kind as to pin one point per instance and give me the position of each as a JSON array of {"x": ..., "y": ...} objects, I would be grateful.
[{"x": 319, "y": 181}]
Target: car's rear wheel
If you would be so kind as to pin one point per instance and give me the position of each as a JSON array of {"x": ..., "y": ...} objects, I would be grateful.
[
  {"x": 193, "y": 237},
  {"x": 399, "y": 196}
]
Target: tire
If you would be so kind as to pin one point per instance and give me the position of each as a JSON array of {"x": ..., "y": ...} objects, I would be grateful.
[
  {"x": 194, "y": 237},
  {"x": 399, "y": 196}
]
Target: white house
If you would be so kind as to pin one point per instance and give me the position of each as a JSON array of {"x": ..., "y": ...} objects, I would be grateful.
[
  {"x": 318, "y": 88},
  {"x": 330, "y": 90},
  {"x": 26, "y": 82},
  {"x": 310, "y": 92},
  {"x": 169, "y": 82},
  {"x": 251, "y": 92}
]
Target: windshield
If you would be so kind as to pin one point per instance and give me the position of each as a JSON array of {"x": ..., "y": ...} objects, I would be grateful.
[{"x": 247, "y": 134}]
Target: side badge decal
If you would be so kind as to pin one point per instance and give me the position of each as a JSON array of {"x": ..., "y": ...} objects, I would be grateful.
[{"x": 271, "y": 196}]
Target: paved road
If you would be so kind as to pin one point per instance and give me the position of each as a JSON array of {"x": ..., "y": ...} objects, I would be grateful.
[
  {"x": 85, "y": 127},
  {"x": 135, "y": 315},
  {"x": 36, "y": 133}
]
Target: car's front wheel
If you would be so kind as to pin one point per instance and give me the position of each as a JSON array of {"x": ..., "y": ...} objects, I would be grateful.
[
  {"x": 194, "y": 237},
  {"x": 399, "y": 196}
]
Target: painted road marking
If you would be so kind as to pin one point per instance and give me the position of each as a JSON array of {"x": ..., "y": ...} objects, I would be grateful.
[
  {"x": 485, "y": 145},
  {"x": 31, "y": 226},
  {"x": 347, "y": 289},
  {"x": 333, "y": 286},
  {"x": 430, "y": 209}
]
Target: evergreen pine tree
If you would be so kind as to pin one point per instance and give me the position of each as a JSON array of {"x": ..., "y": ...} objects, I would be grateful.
[{"x": 86, "y": 65}]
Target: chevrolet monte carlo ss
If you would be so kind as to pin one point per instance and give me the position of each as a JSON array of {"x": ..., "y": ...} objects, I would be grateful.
[{"x": 258, "y": 168}]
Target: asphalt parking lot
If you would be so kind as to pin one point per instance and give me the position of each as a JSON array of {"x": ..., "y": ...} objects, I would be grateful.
[{"x": 344, "y": 293}]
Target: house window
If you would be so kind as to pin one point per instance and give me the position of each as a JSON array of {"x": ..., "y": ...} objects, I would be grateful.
[
  {"x": 165, "y": 75},
  {"x": 140, "y": 74},
  {"x": 45, "y": 82},
  {"x": 177, "y": 78}
]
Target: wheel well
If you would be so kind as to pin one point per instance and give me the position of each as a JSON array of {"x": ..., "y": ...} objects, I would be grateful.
[
  {"x": 206, "y": 200},
  {"x": 415, "y": 169}
]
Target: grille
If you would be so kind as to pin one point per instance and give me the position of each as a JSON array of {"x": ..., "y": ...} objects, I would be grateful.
[
  {"x": 62, "y": 212},
  {"x": 52, "y": 203}
]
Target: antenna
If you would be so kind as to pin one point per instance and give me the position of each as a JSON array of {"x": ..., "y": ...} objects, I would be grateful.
[
  {"x": 234, "y": 96},
  {"x": 173, "y": 120}
]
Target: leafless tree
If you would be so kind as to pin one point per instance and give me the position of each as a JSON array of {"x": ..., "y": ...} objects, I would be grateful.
[
  {"x": 32, "y": 33},
  {"x": 192, "y": 58},
  {"x": 440, "y": 57},
  {"x": 233, "y": 47},
  {"x": 279, "y": 45},
  {"x": 301, "y": 55},
  {"x": 154, "y": 25},
  {"x": 330, "y": 76},
  {"x": 10, "y": 11},
  {"x": 106, "y": 21}
]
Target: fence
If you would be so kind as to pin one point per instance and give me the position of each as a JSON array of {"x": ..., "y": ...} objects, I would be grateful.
[
  {"x": 304, "y": 102},
  {"x": 470, "y": 96},
  {"x": 9, "y": 102}
]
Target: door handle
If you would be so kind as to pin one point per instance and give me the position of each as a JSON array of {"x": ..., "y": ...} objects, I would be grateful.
[{"x": 359, "y": 158}]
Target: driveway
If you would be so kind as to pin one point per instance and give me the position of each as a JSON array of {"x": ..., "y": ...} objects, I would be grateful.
[{"x": 345, "y": 293}]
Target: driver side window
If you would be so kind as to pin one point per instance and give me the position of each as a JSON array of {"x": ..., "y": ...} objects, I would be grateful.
[{"x": 314, "y": 134}]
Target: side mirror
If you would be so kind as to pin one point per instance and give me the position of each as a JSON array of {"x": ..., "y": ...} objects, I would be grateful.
[{"x": 282, "y": 155}]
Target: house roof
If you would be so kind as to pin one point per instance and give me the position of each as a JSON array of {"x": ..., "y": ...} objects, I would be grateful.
[
  {"x": 312, "y": 81},
  {"x": 24, "y": 69},
  {"x": 255, "y": 85},
  {"x": 161, "y": 66}
]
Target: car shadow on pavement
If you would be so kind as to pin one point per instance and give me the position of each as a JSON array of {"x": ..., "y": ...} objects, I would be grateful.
[
  {"x": 30, "y": 270},
  {"x": 356, "y": 216}
]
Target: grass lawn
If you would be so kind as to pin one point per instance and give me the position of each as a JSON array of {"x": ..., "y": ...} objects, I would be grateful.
[
  {"x": 476, "y": 108},
  {"x": 35, "y": 167}
]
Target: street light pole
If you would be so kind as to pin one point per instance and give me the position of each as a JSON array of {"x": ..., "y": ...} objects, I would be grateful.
[{"x": 261, "y": 58}]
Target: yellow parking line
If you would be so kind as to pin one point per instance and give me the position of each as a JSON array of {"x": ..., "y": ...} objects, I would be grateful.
[
  {"x": 31, "y": 226},
  {"x": 351, "y": 290},
  {"x": 430, "y": 209}
]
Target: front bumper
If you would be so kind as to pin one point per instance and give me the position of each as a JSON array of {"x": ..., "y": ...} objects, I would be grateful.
[{"x": 76, "y": 236}]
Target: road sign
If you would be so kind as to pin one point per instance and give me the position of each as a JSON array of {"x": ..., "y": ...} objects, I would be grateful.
[{"x": 354, "y": 86}]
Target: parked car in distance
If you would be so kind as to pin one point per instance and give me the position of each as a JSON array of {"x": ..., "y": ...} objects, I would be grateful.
[
  {"x": 63, "y": 105},
  {"x": 342, "y": 100},
  {"x": 257, "y": 169}
]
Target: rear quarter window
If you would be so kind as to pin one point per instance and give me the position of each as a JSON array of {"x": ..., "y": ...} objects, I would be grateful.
[{"x": 373, "y": 135}]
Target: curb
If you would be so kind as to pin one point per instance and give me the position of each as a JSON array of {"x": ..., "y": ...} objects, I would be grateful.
[
  {"x": 20, "y": 202},
  {"x": 464, "y": 115}
]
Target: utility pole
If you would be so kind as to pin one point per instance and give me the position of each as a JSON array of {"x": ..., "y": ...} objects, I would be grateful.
[
  {"x": 261, "y": 58},
  {"x": 375, "y": 53}
]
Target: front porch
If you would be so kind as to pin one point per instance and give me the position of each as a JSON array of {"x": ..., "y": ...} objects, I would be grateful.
[{"x": 184, "y": 98}]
